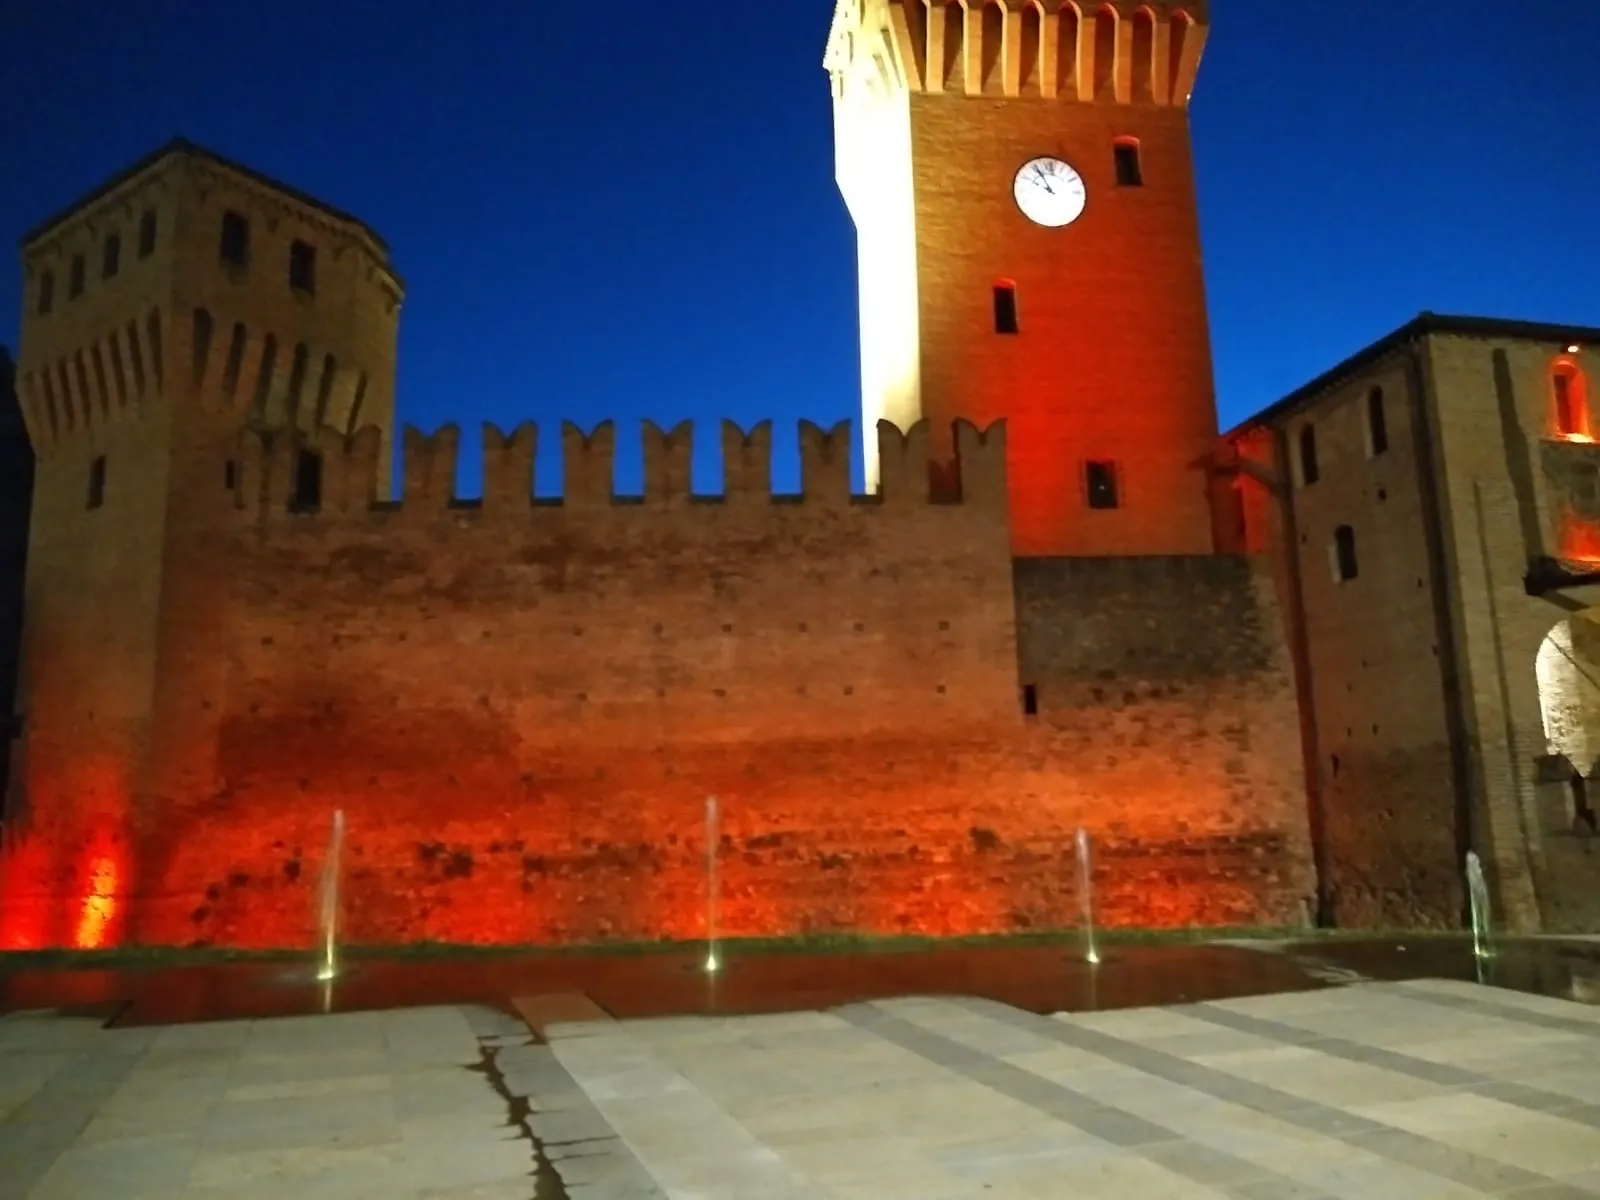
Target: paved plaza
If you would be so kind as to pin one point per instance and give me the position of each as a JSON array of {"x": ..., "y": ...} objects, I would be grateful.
[{"x": 1405, "y": 1091}]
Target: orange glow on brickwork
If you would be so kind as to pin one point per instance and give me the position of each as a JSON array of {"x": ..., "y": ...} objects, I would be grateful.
[
  {"x": 52, "y": 896},
  {"x": 792, "y": 864},
  {"x": 1580, "y": 540},
  {"x": 64, "y": 875},
  {"x": 24, "y": 914},
  {"x": 1244, "y": 503},
  {"x": 1569, "y": 402},
  {"x": 97, "y": 922},
  {"x": 932, "y": 120}
]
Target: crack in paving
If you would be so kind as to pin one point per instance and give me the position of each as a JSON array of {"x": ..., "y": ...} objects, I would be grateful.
[{"x": 547, "y": 1185}]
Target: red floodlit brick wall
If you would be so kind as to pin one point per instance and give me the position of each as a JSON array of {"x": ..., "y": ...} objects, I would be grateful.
[
  {"x": 1112, "y": 360},
  {"x": 87, "y": 677},
  {"x": 522, "y": 710}
]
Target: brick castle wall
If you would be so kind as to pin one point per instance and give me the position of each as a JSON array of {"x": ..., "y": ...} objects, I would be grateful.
[
  {"x": 1425, "y": 733},
  {"x": 1393, "y": 857},
  {"x": 522, "y": 709}
]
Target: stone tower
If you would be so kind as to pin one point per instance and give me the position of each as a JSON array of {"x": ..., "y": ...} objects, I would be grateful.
[
  {"x": 1021, "y": 181},
  {"x": 184, "y": 301}
]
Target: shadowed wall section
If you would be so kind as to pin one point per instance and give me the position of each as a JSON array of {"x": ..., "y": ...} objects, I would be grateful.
[
  {"x": 1166, "y": 709},
  {"x": 16, "y": 493},
  {"x": 522, "y": 705}
]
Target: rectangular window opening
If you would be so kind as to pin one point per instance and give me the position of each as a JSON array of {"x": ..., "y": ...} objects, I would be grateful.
[
  {"x": 307, "y": 495},
  {"x": 1101, "y": 478},
  {"x": 47, "y": 293},
  {"x": 1130, "y": 171},
  {"x": 1345, "y": 567},
  {"x": 230, "y": 475},
  {"x": 147, "y": 234},
  {"x": 303, "y": 267},
  {"x": 1377, "y": 423},
  {"x": 1309, "y": 472},
  {"x": 111, "y": 257},
  {"x": 75, "y": 278},
  {"x": 97, "y": 482},
  {"x": 1566, "y": 424},
  {"x": 1030, "y": 700},
  {"x": 1005, "y": 308},
  {"x": 234, "y": 247}
]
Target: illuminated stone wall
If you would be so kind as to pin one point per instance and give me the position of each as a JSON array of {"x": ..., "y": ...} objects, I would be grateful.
[
  {"x": 523, "y": 707},
  {"x": 1382, "y": 762},
  {"x": 936, "y": 107},
  {"x": 1435, "y": 693},
  {"x": 1517, "y": 493}
]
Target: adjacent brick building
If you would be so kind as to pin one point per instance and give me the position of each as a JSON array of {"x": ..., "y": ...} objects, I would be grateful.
[{"x": 1432, "y": 507}]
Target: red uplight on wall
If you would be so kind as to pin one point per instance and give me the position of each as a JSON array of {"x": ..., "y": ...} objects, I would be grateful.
[
  {"x": 1569, "y": 397},
  {"x": 97, "y": 916},
  {"x": 22, "y": 912},
  {"x": 1580, "y": 541}
]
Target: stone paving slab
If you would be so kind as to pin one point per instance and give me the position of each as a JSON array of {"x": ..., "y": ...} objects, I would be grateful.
[
  {"x": 543, "y": 1013},
  {"x": 1419, "y": 1091},
  {"x": 1415, "y": 1091},
  {"x": 421, "y": 1104}
]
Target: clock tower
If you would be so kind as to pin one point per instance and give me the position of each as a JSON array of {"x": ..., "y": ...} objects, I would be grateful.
[{"x": 1021, "y": 181}]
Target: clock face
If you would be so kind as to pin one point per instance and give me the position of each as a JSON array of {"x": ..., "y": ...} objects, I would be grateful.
[{"x": 1049, "y": 192}]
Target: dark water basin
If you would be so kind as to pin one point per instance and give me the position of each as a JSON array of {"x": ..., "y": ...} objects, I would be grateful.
[{"x": 1037, "y": 977}]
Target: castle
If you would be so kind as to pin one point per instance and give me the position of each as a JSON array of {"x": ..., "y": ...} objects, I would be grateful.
[{"x": 1052, "y": 610}]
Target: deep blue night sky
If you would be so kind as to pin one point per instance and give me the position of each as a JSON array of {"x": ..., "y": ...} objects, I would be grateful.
[{"x": 611, "y": 210}]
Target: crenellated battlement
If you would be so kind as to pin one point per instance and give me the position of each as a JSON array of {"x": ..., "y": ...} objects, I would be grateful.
[
  {"x": 1116, "y": 51},
  {"x": 283, "y": 472}
]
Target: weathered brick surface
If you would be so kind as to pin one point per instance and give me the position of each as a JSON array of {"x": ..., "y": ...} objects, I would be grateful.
[
  {"x": 1111, "y": 360},
  {"x": 116, "y": 372},
  {"x": 1392, "y": 656},
  {"x": 1383, "y": 747},
  {"x": 523, "y": 709},
  {"x": 1502, "y": 513}
]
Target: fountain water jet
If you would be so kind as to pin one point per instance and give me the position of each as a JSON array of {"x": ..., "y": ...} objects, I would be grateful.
[
  {"x": 713, "y": 959},
  {"x": 1478, "y": 895},
  {"x": 328, "y": 916},
  {"x": 1091, "y": 950}
]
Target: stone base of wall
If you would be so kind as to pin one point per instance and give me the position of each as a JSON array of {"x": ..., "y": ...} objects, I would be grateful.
[
  {"x": 1391, "y": 841},
  {"x": 1567, "y": 869},
  {"x": 869, "y": 838}
]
